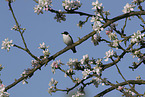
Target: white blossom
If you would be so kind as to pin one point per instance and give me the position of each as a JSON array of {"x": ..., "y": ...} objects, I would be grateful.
[
  {"x": 85, "y": 59},
  {"x": 53, "y": 82},
  {"x": 52, "y": 85},
  {"x": 112, "y": 36},
  {"x": 71, "y": 4},
  {"x": 120, "y": 88},
  {"x": 14, "y": 28},
  {"x": 97, "y": 5},
  {"x": 137, "y": 37},
  {"x": 79, "y": 93},
  {"x": 86, "y": 72},
  {"x": 6, "y": 44},
  {"x": 97, "y": 70},
  {"x": 98, "y": 62},
  {"x": 128, "y": 8},
  {"x": 46, "y": 52},
  {"x": 2, "y": 91},
  {"x": 55, "y": 65},
  {"x": 51, "y": 89},
  {"x": 43, "y": 46},
  {"x": 97, "y": 26},
  {"x": 130, "y": 92},
  {"x": 109, "y": 54},
  {"x": 115, "y": 43},
  {"x": 72, "y": 63},
  {"x": 38, "y": 9},
  {"x": 42, "y": 5}
]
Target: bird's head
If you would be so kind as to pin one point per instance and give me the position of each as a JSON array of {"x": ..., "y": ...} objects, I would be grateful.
[{"x": 65, "y": 33}]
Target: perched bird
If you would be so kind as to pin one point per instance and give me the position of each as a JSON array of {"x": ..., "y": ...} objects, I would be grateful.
[{"x": 67, "y": 39}]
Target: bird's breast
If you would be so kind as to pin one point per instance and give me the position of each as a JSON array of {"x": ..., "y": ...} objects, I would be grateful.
[{"x": 67, "y": 40}]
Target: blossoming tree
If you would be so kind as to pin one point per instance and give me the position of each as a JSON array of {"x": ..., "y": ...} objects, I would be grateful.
[{"x": 119, "y": 42}]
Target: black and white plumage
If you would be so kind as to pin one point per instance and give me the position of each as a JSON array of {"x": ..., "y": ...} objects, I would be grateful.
[{"x": 67, "y": 39}]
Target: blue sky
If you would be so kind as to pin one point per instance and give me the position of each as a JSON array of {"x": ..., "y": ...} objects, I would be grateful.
[{"x": 43, "y": 28}]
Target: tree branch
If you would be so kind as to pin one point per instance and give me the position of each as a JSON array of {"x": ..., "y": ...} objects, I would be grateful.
[{"x": 120, "y": 84}]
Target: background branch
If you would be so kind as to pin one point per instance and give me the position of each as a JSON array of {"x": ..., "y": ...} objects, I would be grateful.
[{"x": 139, "y": 82}]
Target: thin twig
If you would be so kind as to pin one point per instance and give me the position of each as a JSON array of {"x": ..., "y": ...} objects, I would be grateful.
[
  {"x": 21, "y": 33},
  {"x": 124, "y": 78}
]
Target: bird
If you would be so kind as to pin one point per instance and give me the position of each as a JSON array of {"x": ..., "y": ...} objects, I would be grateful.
[{"x": 67, "y": 39}]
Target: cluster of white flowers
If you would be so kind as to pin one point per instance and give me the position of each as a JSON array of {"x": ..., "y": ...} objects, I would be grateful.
[
  {"x": 96, "y": 81},
  {"x": 120, "y": 88},
  {"x": 52, "y": 85},
  {"x": 86, "y": 72},
  {"x": 42, "y": 5},
  {"x": 139, "y": 55},
  {"x": 96, "y": 70},
  {"x": 128, "y": 8},
  {"x": 86, "y": 65},
  {"x": 2, "y": 91},
  {"x": 98, "y": 62},
  {"x": 71, "y": 5},
  {"x": 137, "y": 37},
  {"x": 45, "y": 49},
  {"x": 115, "y": 43},
  {"x": 97, "y": 5},
  {"x": 72, "y": 63},
  {"x": 97, "y": 26},
  {"x": 96, "y": 38},
  {"x": 14, "y": 28},
  {"x": 17, "y": 29},
  {"x": 46, "y": 52},
  {"x": 130, "y": 92},
  {"x": 55, "y": 65},
  {"x": 6, "y": 44},
  {"x": 43, "y": 46},
  {"x": 112, "y": 36},
  {"x": 79, "y": 93},
  {"x": 109, "y": 54},
  {"x": 85, "y": 59},
  {"x": 60, "y": 16}
]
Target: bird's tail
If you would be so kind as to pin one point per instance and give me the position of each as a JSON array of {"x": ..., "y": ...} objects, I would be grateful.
[{"x": 74, "y": 50}]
